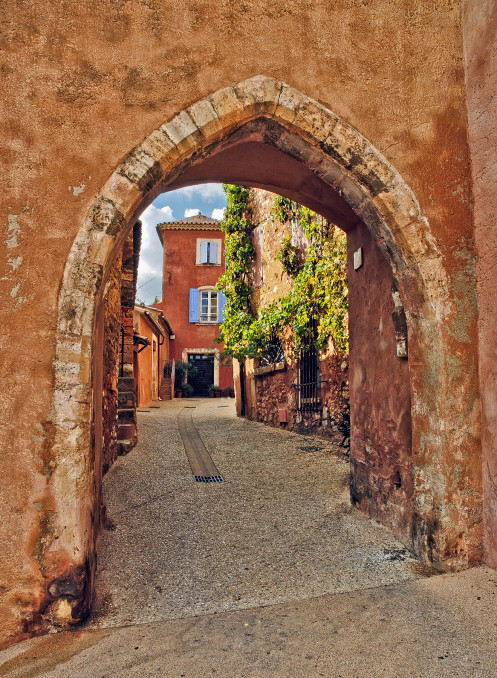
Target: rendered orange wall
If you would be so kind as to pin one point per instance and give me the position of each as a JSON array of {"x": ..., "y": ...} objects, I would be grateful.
[
  {"x": 381, "y": 437},
  {"x": 181, "y": 273},
  {"x": 143, "y": 362},
  {"x": 480, "y": 33},
  {"x": 143, "y": 377}
]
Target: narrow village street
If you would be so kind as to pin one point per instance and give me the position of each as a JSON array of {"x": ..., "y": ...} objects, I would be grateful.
[
  {"x": 269, "y": 573},
  {"x": 279, "y": 528}
]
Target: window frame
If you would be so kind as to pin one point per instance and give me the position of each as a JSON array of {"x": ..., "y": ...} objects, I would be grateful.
[
  {"x": 208, "y": 321},
  {"x": 218, "y": 242}
]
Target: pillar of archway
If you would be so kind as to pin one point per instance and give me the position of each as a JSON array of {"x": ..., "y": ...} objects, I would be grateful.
[{"x": 347, "y": 181}]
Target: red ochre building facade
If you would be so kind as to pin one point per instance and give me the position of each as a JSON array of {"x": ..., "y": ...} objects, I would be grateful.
[{"x": 193, "y": 263}]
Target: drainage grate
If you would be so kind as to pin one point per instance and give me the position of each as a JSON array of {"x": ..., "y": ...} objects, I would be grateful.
[{"x": 208, "y": 479}]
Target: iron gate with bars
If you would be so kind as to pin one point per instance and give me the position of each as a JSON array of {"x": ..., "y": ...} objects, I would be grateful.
[{"x": 308, "y": 379}]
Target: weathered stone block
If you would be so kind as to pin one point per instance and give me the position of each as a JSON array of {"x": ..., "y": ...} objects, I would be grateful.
[
  {"x": 183, "y": 132},
  {"x": 289, "y": 102},
  {"x": 229, "y": 107},
  {"x": 314, "y": 119},
  {"x": 259, "y": 94},
  {"x": 205, "y": 117}
]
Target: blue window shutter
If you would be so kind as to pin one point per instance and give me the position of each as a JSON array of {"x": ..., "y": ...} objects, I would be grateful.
[
  {"x": 221, "y": 302},
  {"x": 213, "y": 253},
  {"x": 204, "y": 257},
  {"x": 193, "y": 315}
]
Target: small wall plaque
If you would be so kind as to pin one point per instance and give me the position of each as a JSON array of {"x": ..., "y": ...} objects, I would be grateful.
[{"x": 358, "y": 259}]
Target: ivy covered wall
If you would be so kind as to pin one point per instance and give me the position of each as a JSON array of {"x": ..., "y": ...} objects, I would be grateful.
[{"x": 286, "y": 267}]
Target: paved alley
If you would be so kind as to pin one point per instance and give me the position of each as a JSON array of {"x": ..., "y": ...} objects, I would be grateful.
[
  {"x": 269, "y": 573},
  {"x": 279, "y": 528}
]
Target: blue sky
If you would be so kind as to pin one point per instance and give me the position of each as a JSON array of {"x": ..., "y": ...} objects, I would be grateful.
[{"x": 209, "y": 199}]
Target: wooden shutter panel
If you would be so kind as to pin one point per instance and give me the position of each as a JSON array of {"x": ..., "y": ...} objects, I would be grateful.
[
  {"x": 220, "y": 308},
  {"x": 213, "y": 253},
  {"x": 204, "y": 256},
  {"x": 194, "y": 312}
]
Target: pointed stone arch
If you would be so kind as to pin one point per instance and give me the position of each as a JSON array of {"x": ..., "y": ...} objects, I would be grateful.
[{"x": 342, "y": 158}]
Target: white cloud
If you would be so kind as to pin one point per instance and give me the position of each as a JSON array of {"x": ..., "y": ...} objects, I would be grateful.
[
  {"x": 191, "y": 212},
  {"x": 150, "y": 265},
  {"x": 208, "y": 192},
  {"x": 218, "y": 213},
  {"x": 150, "y": 218}
]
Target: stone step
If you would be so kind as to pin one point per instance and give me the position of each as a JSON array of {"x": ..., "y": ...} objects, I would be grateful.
[
  {"x": 126, "y": 431},
  {"x": 126, "y": 399},
  {"x": 125, "y": 446},
  {"x": 165, "y": 388},
  {"x": 126, "y": 415},
  {"x": 126, "y": 384}
]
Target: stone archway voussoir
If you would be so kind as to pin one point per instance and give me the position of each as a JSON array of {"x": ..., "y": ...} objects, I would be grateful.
[
  {"x": 183, "y": 133},
  {"x": 259, "y": 95}
]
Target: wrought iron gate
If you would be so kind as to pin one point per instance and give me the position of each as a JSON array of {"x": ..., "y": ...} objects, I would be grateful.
[{"x": 308, "y": 379}]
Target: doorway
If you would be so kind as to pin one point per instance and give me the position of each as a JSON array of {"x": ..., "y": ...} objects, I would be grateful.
[{"x": 203, "y": 375}]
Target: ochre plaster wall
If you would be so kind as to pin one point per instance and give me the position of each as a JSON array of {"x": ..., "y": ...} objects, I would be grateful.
[
  {"x": 480, "y": 34},
  {"x": 143, "y": 374},
  {"x": 381, "y": 447},
  {"x": 85, "y": 83},
  {"x": 180, "y": 273}
]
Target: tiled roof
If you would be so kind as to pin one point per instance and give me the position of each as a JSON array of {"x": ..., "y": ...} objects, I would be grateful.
[
  {"x": 198, "y": 222},
  {"x": 195, "y": 220}
]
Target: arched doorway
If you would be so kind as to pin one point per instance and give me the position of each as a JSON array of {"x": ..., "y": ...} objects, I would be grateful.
[{"x": 263, "y": 133}]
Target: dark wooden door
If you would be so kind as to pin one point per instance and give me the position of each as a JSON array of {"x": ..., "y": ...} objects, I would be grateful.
[{"x": 204, "y": 375}]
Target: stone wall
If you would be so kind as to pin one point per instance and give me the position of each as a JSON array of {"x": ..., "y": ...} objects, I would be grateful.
[
  {"x": 276, "y": 391},
  {"x": 381, "y": 427},
  {"x": 130, "y": 257},
  {"x": 111, "y": 363}
]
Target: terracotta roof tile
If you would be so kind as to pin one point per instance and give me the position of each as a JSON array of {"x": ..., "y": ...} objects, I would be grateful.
[{"x": 195, "y": 220}]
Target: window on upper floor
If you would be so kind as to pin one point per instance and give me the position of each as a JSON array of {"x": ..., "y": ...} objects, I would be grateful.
[
  {"x": 209, "y": 252},
  {"x": 206, "y": 306}
]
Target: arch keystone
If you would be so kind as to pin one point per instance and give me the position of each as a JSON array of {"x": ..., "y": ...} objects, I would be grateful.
[
  {"x": 290, "y": 100},
  {"x": 259, "y": 94}
]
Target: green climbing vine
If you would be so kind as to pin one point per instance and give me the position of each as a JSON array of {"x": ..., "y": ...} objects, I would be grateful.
[{"x": 319, "y": 281}]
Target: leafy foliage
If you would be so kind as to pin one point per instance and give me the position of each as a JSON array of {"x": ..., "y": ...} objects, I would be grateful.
[
  {"x": 320, "y": 282},
  {"x": 181, "y": 371}
]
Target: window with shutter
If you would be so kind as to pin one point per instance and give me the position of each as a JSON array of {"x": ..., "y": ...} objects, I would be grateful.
[
  {"x": 208, "y": 252},
  {"x": 204, "y": 252},
  {"x": 212, "y": 252},
  {"x": 208, "y": 306}
]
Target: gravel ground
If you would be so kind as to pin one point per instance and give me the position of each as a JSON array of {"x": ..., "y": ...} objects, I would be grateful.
[{"x": 279, "y": 529}]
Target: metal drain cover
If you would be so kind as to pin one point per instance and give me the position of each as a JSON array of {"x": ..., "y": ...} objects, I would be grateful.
[
  {"x": 203, "y": 468},
  {"x": 208, "y": 479}
]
